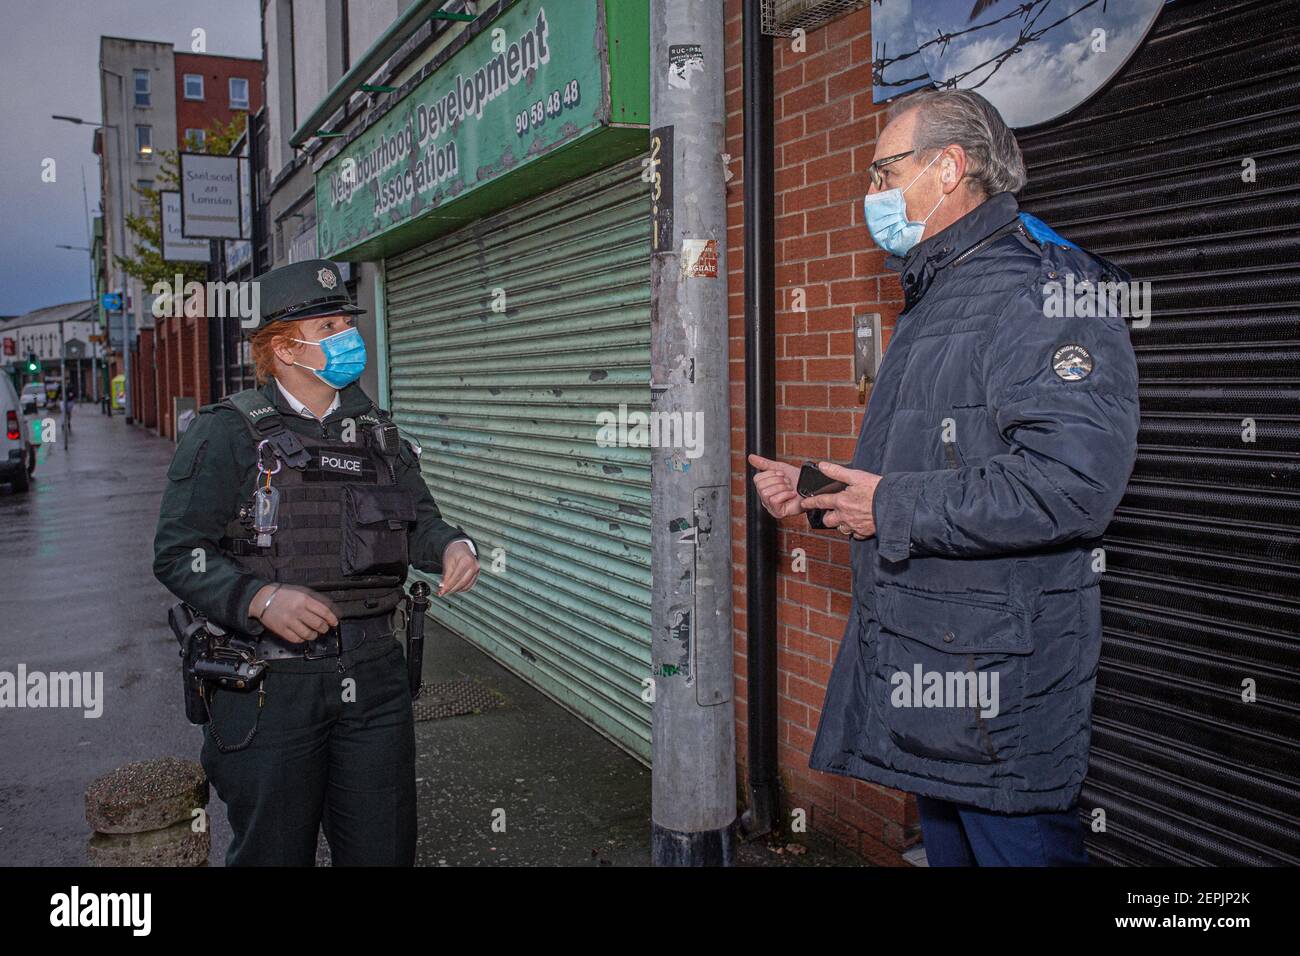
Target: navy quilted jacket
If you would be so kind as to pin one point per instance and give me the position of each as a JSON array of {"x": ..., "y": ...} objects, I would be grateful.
[{"x": 1005, "y": 435}]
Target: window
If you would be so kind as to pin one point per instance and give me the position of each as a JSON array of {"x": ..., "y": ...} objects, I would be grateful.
[
  {"x": 143, "y": 184},
  {"x": 144, "y": 142},
  {"x": 195, "y": 139},
  {"x": 238, "y": 93},
  {"x": 142, "y": 97},
  {"x": 194, "y": 86}
]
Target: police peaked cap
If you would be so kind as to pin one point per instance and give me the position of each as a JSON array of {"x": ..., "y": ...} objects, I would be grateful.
[{"x": 303, "y": 290}]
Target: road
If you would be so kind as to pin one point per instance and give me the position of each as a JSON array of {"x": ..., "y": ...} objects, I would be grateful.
[{"x": 77, "y": 593}]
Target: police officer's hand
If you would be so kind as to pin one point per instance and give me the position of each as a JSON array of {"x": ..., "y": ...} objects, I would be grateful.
[
  {"x": 775, "y": 482},
  {"x": 851, "y": 511},
  {"x": 296, "y": 613},
  {"x": 459, "y": 569}
]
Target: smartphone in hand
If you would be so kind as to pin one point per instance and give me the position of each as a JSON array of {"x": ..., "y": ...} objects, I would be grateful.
[{"x": 811, "y": 483}]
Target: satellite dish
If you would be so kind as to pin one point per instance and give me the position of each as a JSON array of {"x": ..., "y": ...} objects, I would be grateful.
[{"x": 1035, "y": 60}]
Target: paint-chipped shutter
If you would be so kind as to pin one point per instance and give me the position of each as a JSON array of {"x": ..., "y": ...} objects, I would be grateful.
[
  {"x": 1185, "y": 171},
  {"x": 506, "y": 404}
]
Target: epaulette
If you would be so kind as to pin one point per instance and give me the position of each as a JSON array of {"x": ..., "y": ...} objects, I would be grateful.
[{"x": 266, "y": 423}]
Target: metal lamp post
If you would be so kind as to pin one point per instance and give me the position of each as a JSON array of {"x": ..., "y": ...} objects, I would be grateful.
[{"x": 121, "y": 271}]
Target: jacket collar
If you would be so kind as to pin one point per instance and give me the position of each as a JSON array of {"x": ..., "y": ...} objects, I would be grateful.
[
  {"x": 352, "y": 400},
  {"x": 923, "y": 262}
]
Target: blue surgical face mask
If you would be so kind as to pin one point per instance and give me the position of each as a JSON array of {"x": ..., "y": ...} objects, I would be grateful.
[
  {"x": 886, "y": 216},
  {"x": 345, "y": 357}
]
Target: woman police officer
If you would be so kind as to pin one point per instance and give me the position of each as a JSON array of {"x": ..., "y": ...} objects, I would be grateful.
[{"x": 290, "y": 515}]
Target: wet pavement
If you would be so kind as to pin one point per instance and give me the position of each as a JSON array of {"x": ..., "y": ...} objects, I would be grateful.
[{"x": 77, "y": 593}]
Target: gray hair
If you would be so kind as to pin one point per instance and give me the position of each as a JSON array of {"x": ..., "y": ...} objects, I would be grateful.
[{"x": 963, "y": 117}]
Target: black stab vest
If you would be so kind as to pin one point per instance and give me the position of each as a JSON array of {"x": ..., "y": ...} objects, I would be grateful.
[{"x": 342, "y": 521}]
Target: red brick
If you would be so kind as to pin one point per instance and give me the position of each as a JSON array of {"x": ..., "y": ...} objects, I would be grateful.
[
  {"x": 830, "y": 268},
  {"x": 804, "y": 395},
  {"x": 805, "y": 247},
  {"x": 805, "y": 345},
  {"x": 828, "y": 117},
  {"x": 803, "y": 98},
  {"x": 829, "y": 423},
  {"x": 849, "y": 82},
  {"x": 787, "y": 178},
  {"x": 829, "y": 370},
  {"x": 852, "y": 239},
  {"x": 830, "y": 167},
  {"x": 803, "y": 150},
  {"x": 809, "y": 197},
  {"x": 856, "y": 135},
  {"x": 834, "y": 319},
  {"x": 852, "y": 290}
]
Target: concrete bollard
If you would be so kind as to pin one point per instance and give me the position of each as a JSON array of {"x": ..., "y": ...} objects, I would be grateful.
[{"x": 143, "y": 814}]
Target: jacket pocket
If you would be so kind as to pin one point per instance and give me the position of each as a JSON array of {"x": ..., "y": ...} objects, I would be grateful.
[
  {"x": 180, "y": 478},
  {"x": 376, "y": 521},
  {"x": 951, "y": 675}
]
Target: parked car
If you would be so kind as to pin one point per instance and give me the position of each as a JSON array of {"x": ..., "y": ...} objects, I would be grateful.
[
  {"x": 33, "y": 397},
  {"x": 17, "y": 454}
]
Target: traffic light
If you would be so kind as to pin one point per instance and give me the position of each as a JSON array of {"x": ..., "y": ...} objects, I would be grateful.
[{"x": 33, "y": 364}]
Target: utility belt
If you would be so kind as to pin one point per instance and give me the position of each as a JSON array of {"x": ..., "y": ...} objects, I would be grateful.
[
  {"x": 348, "y": 635},
  {"x": 214, "y": 659}
]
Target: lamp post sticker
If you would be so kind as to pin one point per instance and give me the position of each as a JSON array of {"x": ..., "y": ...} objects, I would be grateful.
[
  {"x": 679, "y": 641},
  {"x": 1072, "y": 363},
  {"x": 659, "y": 173},
  {"x": 683, "y": 60},
  {"x": 700, "y": 258}
]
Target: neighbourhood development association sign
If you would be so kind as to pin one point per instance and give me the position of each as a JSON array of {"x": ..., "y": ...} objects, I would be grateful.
[{"x": 528, "y": 82}]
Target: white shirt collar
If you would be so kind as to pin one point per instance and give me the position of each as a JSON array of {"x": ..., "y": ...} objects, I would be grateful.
[{"x": 302, "y": 409}]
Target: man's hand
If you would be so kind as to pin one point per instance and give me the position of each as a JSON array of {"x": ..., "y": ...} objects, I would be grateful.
[
  {"x": 849, "y": 511},
  {"x": 775, "y": 482},
  {"x": 296, "y": 613},
  {"x": 459, "y": 569}
]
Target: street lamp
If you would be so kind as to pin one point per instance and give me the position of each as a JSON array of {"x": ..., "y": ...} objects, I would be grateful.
[
  {"x": 63, "y": 346},
  {"x": 121, "y": 271}
]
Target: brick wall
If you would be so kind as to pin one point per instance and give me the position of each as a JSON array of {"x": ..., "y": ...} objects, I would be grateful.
[
  {"x": 826, "y": 126},
  {"x": 182, "y": 350},
  {"x": 148, "y": 394},
  {"x": 215, "y": 105}
]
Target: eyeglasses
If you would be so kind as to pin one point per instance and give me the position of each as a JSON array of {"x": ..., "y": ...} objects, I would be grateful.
[{"x": 876, "y": 179}]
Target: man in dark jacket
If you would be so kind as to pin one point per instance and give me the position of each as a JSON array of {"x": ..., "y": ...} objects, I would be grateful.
[{"x": 996, "y": 446}]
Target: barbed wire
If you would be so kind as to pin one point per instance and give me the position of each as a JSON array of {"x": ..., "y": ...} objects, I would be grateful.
[{"x": 1030, "y": 11}]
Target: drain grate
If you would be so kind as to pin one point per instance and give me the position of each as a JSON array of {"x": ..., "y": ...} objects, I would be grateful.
[{"x": 454, "y": 698}]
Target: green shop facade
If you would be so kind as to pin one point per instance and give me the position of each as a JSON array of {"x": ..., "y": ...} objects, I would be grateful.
[{"x": 500, "y": 192}]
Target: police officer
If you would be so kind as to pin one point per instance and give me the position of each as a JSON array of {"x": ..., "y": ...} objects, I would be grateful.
[{"x": 290, "y": 515}]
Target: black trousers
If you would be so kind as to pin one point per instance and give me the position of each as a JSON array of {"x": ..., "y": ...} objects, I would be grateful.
[{"x": 333, "y": 749}]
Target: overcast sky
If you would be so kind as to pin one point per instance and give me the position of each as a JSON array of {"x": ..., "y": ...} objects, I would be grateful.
[{"x": 49, "y": 55}]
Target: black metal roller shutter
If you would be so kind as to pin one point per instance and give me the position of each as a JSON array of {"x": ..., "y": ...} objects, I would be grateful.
[{"x": 1202, "y": 587}]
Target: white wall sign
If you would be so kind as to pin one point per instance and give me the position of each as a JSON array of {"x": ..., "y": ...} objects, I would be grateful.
[
  {"x": 175, "y": 247},
  {"x": 210, "y": 196}
]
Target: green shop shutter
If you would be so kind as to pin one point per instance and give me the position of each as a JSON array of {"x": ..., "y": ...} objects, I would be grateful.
[{"x": 505, "y": 405}]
